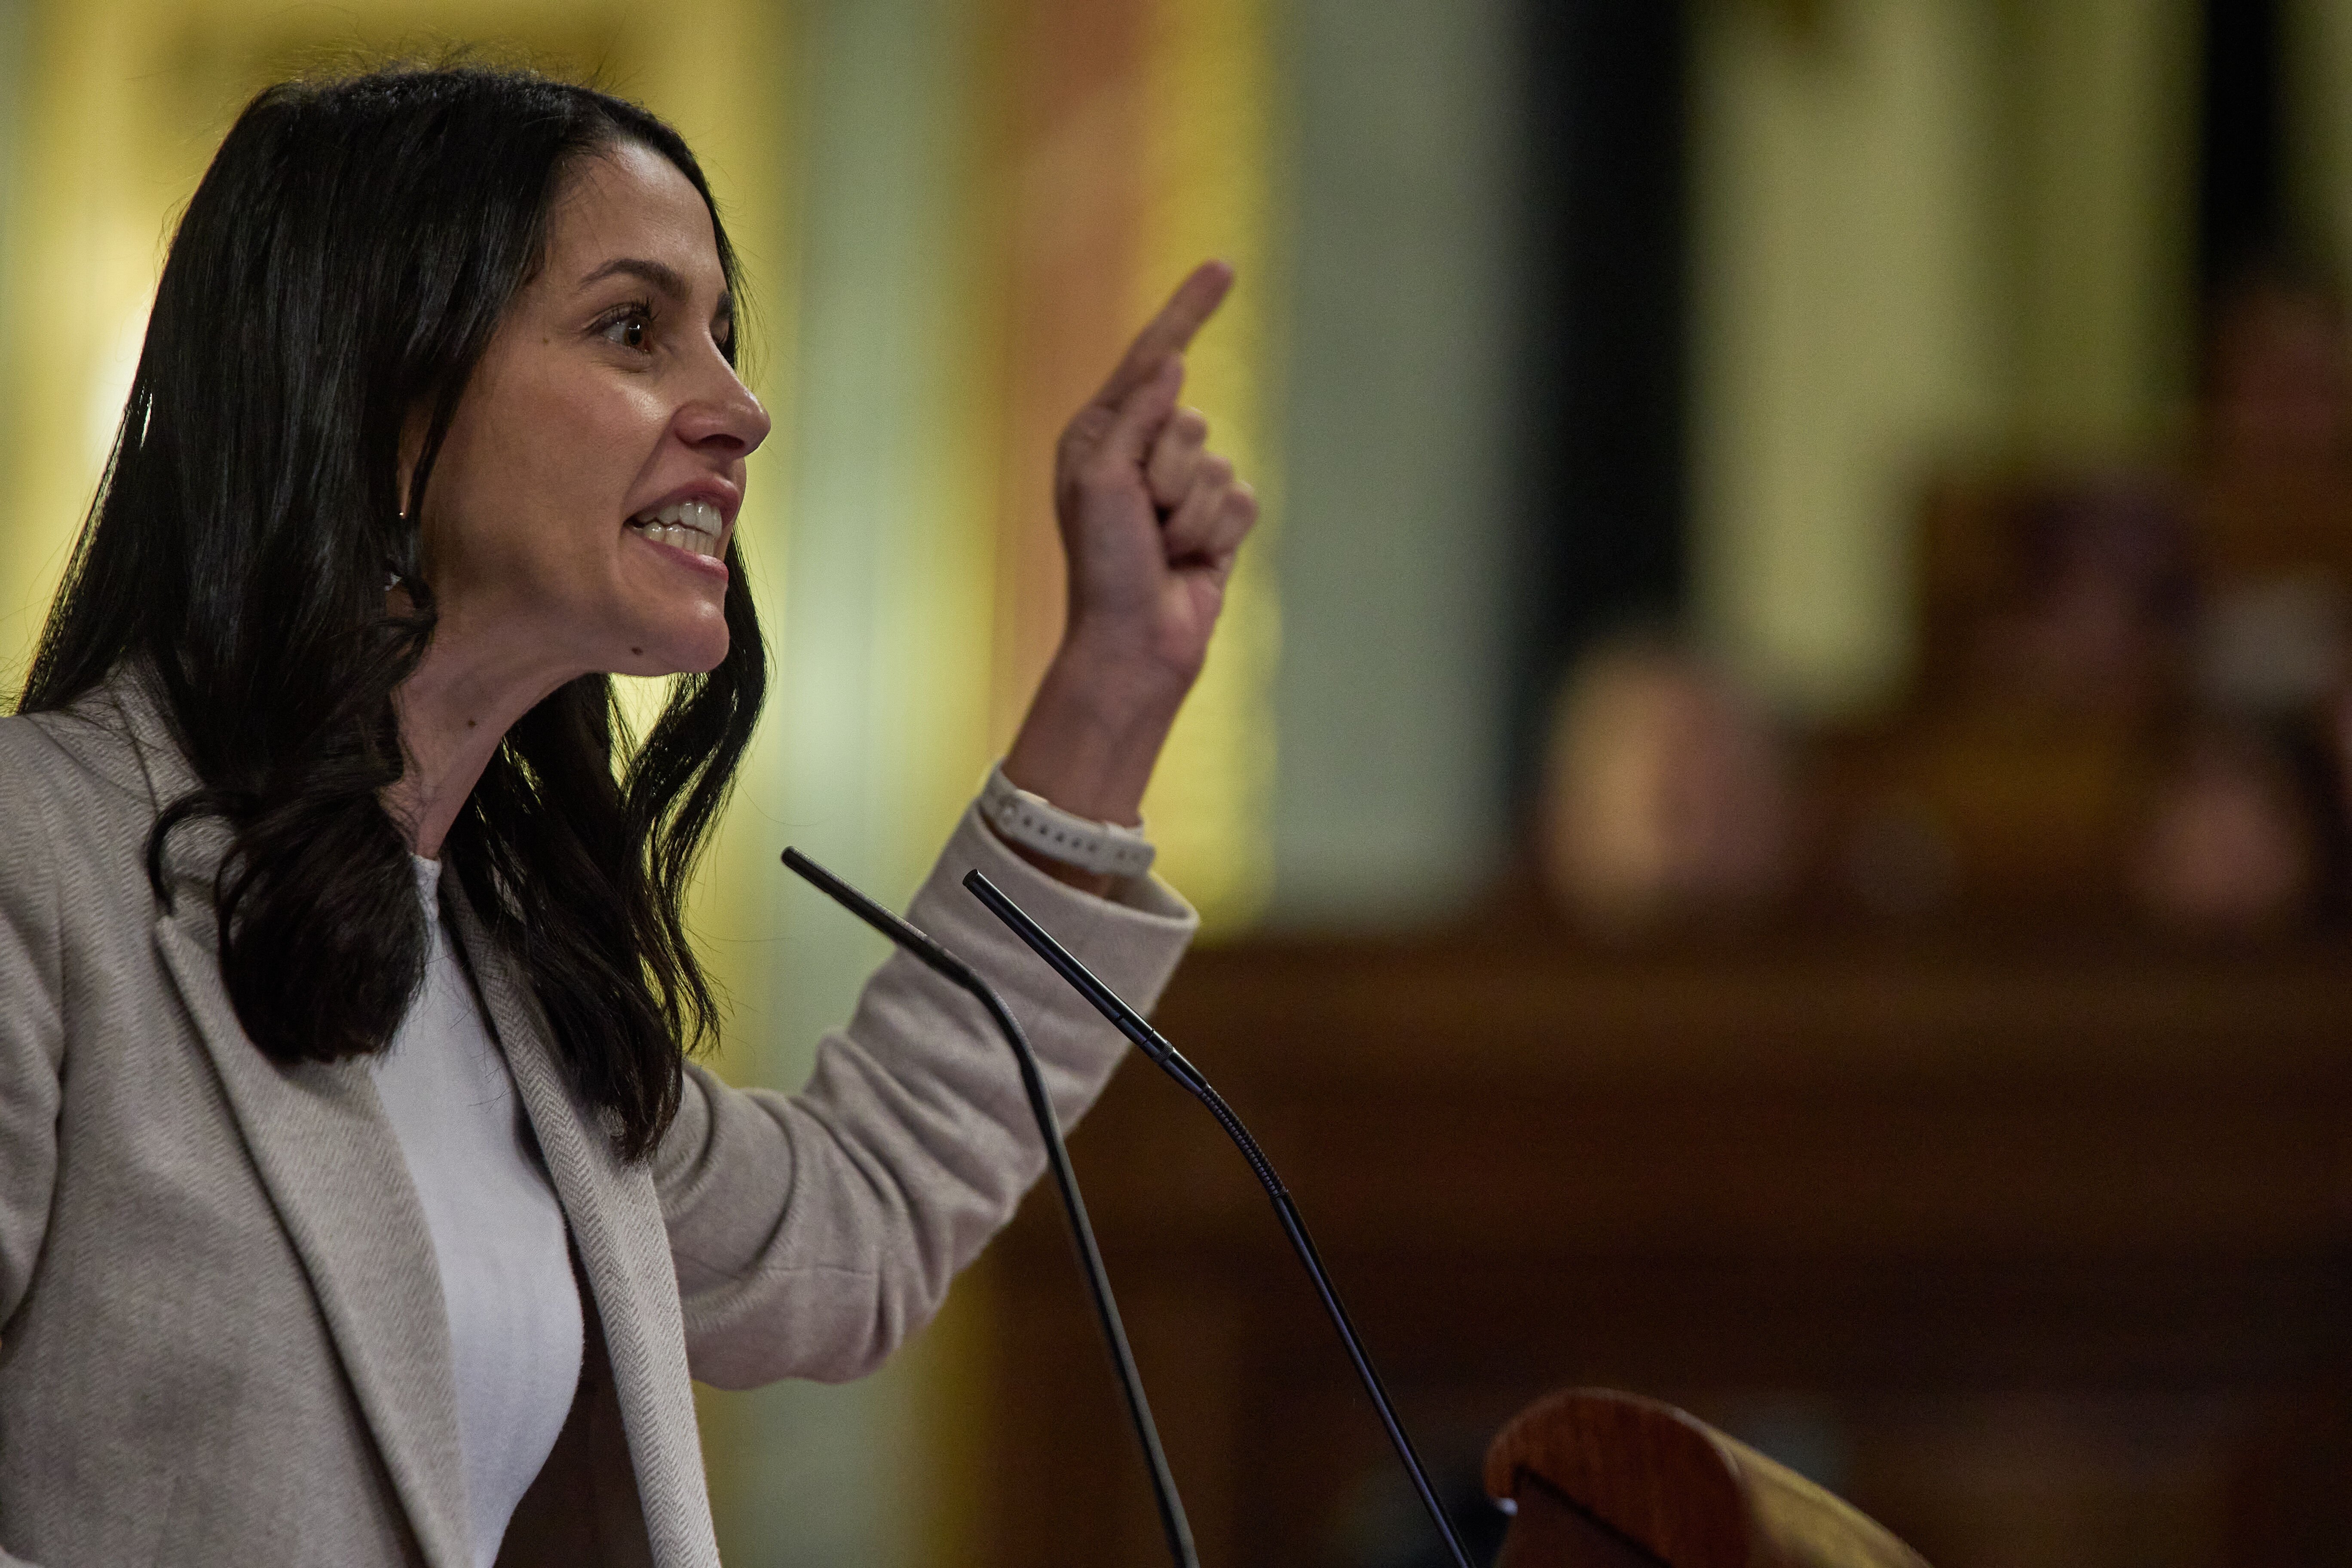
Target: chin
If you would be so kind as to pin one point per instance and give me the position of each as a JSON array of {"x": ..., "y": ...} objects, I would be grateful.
[
  {"x": 695, "y": 645},
  {"x": 707, "y": 660},
  {"x": 657, "y": 657}
]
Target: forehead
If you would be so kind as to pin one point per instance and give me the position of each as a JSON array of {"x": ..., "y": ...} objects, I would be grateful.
[{"x": 630, "y": 201}]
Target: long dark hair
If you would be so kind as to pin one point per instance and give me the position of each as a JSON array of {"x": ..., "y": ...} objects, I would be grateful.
[{"x": 346, "y": 260}]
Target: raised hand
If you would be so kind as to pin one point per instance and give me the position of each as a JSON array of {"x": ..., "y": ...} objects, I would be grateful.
[{"x": 1151, "y": 520}]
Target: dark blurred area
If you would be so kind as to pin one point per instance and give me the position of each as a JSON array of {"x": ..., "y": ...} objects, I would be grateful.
[
  {"x": 1947, "y": 1096},
  {"x": 2127, "y": 701},
  {"x": 2129, "y": 706}
]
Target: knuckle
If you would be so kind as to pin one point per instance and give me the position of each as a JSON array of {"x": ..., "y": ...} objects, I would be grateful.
[{"x": 1085, "y": 428}]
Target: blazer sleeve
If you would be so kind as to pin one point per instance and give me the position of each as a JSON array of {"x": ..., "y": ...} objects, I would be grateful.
[
  {"x": 813, "y": 1233},
  {"x": 32, "y": 1021}
]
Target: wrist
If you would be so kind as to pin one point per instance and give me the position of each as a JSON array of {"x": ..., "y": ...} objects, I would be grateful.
[
  {"x": 1092, "y": 735},
  {"x": 1122, "y": 670}
]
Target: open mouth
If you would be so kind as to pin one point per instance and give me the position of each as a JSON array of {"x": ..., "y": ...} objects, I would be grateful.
[{"x": 689, "y": 525}]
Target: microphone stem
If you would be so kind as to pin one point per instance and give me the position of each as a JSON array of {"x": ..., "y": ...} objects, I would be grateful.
[
  {"x": 1152, "y": 1044},
  {"x": 1173, "y": 1525},
  {"x": 1172, "y": 1522}
]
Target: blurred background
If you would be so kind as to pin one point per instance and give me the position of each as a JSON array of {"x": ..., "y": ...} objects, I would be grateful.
[{"x": 1771, "y": 804}]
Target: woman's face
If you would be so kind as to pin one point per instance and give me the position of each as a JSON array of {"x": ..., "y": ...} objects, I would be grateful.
[{"x": 578, "y": 516}]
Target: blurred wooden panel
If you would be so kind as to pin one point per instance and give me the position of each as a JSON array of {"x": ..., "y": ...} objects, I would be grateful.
[
  {"x": 1550, "y": 1532},
  {"x": 2042, "y": 1239},
  {"x": 1674, "y": 1489}
]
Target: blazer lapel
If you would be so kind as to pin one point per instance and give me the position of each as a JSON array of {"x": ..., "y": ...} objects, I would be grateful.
[
  {"x": 335, "y": 1174},
  {"x": 616, "y": 1224}
]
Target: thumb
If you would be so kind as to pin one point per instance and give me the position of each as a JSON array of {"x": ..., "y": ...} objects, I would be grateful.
[{"x": 1148, "y": 407}]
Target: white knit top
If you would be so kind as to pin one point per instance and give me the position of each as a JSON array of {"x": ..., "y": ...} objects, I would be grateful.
[{"x": 498, "y": 1234}]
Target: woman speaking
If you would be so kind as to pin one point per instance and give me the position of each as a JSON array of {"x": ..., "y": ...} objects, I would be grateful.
[{"x": 358, "y": 1204}]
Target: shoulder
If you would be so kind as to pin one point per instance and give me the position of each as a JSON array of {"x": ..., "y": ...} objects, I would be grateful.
[
  {"x": 73, "y": 794},
  {"x": 86, "y": 750}
]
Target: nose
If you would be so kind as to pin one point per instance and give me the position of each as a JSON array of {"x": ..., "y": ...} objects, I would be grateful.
[{"x": 723, "y": 417}]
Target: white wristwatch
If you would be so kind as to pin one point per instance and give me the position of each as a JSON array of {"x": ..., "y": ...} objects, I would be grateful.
[{"x": 1035, "y": 823}]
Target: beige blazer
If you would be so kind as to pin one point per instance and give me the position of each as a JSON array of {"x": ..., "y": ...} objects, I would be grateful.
[{"x": 222, "y": 1340}]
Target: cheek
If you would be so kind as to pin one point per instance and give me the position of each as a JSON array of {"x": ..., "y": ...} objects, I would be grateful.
[
  {"x": 540, "y": 488},
  {"x": 583, "y": 449}
]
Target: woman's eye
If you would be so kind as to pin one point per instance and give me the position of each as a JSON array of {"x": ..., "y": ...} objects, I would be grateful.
[{"x": 629, "y": 330}]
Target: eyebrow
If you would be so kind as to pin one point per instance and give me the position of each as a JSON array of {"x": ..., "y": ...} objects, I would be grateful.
[{"x": 666, "y": 279}]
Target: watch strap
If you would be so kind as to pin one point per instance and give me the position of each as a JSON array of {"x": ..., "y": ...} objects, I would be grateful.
[{"x": 1032, "y": 822}]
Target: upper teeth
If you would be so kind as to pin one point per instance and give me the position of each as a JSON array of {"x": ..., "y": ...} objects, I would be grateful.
[{"x": 688, "y": 524}]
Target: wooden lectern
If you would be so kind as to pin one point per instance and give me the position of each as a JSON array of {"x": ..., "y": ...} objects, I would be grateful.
[{"x": 1613, "y": 1480}]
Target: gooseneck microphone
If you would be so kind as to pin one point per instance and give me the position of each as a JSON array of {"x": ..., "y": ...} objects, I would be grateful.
[
  {"x": 1152, "y": 1044},
  {"x": 958, "y": 973}
]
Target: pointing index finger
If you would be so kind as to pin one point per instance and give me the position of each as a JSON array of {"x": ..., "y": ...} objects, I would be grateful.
[{"x": 1195, "y": 301}]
